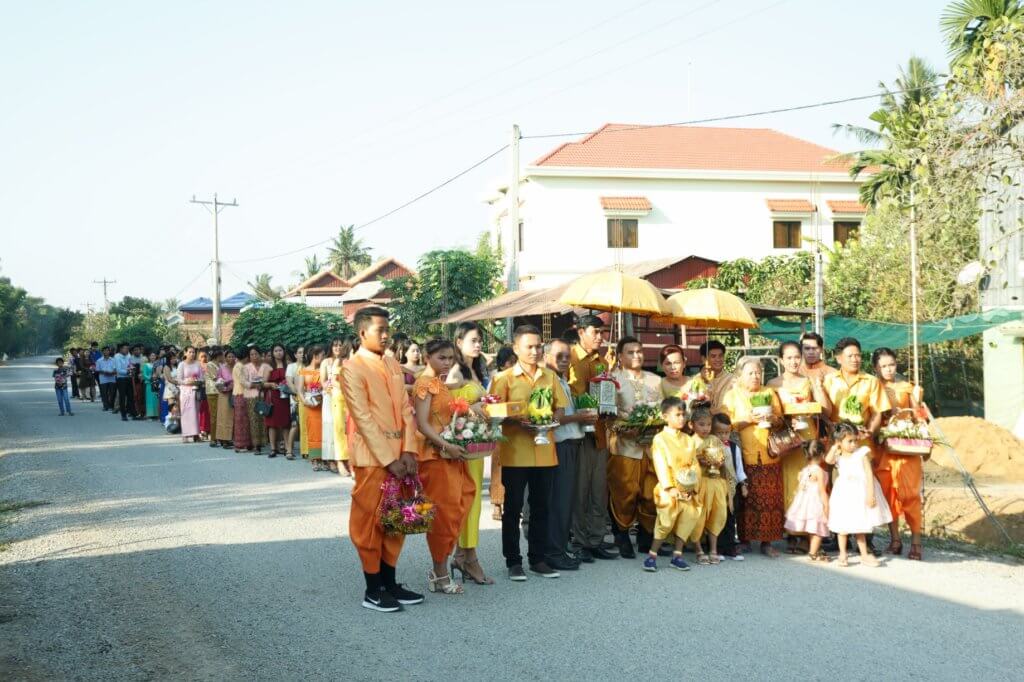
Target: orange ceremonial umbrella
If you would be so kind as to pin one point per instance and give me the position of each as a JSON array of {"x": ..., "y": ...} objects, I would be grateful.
[
  {"x": 709, "y": 308},
  {"x": 616, "y": 292}
]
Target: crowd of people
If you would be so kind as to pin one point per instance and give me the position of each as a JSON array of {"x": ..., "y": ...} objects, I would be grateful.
[{"x": 729, "y": 470}]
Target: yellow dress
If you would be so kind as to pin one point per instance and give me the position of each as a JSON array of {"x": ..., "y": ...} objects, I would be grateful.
[
  {"x": 668, "y": 390},
  {"x": 794, "y": 462},
  {"x": 469, "y": 536},
  {"x": 672, "y": 453},
  {"x": 339, "y": 414}
]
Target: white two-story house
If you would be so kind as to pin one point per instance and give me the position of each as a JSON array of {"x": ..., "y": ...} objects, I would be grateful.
[{"x": 632, "y": 193}]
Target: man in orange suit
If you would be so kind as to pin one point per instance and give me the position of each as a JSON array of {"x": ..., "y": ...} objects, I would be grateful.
[{"x": 384, "y": 442}]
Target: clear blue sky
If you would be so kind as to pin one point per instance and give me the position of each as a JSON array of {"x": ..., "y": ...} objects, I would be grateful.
[{"x": 317, "y": 114}]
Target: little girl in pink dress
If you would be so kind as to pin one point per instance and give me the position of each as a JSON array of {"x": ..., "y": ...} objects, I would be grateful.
[{"x": 808, "y": 513}]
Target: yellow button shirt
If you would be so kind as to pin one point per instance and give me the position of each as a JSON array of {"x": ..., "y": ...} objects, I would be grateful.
[
  {"x": 867, "y": 388},
  {"x": 671, "y": 453},
  {"x": 516, "y": 385},
  {"x": 583, "y": 367}
]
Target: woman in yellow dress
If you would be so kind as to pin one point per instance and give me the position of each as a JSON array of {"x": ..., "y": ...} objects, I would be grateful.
[
  {"x": 900, "y": 476},
  {"x": 466, "y": 380},
  {"x": 793, "y": 387},
  {"x": 763, "y": 514},
  {"x": 672, "y": 364}
]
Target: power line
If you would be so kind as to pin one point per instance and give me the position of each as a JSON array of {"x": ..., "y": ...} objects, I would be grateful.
[
  {"x": 382, "y": 216},
  {"x": 191, "y": 281},
  {"x": 733, "y": 117}
]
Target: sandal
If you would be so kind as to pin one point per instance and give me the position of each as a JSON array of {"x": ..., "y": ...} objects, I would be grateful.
[
  {"x": 915, "y": 552},
  {"x": 870, "y": 561},
  {"x": 317, "y": 466},
  {"x": 703, "y": 559},
  {"x": 434, "y": 584},
  {"x": 843, "y": 562},
  {"x": 820, "y": 556},
  {"x": 714, "y": 560},
  {"x": 462, "y": 567},
  {"x": 289, "y": 456},
  {"x": 769, "y": 551},
  {"x": 895, "y": 547}
]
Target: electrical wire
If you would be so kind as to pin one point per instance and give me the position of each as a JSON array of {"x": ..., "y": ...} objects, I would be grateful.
[
  {"x": 387, "y": 214},
  {"x": 192, "y": 281}
]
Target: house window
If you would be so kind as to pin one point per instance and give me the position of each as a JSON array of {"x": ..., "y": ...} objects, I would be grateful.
[
  {"x": 844, "y": 231},
  {"x": 787, "y": 234},
  {"x": 623, "y": 233}
]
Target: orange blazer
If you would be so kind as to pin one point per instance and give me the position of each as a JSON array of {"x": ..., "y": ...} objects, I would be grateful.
[{"x": 378, "y": 403}]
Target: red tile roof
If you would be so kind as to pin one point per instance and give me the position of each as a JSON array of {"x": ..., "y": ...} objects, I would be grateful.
[
  {"x": 789, "y": 206},
  {"x": 626, "y": 204},
  {"x": 617, "y": 145},
  {"x": 839, "y": 206}
]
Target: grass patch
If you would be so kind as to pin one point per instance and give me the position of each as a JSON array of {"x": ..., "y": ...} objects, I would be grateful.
[{"x": 8, "y": 509}]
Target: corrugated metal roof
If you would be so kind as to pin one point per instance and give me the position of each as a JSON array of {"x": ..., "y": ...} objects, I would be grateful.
[
  {"x": 203, "y": 304},
  {"x": 363, "y": 291}
]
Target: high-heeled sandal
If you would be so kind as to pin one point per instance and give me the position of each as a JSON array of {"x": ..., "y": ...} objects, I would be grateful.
[
  {"x": 456, "y": 565},
  {"x": 895, "y": 547},
  {"x": 434, "y": 584},
  {"x": 915, "y": 553}
]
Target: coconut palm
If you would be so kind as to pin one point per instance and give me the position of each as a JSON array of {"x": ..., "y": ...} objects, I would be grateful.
[
  {"x": 263, "y": 289},
  {"x": 900, "y": 122},
  {"x": 312, "y": 267},
  {"x": 964, "y": 22},
  {"x": 347, "y": 254}
]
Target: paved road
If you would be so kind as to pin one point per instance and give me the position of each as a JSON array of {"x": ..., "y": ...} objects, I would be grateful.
[{"x": 157, "y": 560}]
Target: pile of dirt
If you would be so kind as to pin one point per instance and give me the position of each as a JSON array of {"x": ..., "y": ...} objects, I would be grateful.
[
  {"x": 985, "y": 449},
  {"x": 954, "y": 513}
]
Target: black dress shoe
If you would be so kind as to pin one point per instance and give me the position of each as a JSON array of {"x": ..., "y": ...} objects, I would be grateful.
[
  {"x": 602, "y": 553},
  {"x": 562, "y": 563},
  {"x": 543, "y": 570},
  {"x": 625, "y": 546},
  {"x": 585, "y": 555}
]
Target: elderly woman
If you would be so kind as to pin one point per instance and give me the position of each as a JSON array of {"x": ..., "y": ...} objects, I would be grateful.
[{"x": 764, "y": 513}]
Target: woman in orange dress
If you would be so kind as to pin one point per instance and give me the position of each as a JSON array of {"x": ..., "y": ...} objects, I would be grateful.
[
  {"x": 312, "y": 398},
  {"x": 446, "y": 479},
  {"x": 901, "y": 476}
]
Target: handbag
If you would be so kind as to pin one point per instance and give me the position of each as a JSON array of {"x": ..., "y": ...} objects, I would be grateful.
[
  {"x": 404, "y": 508},
  {"x": 783, "y": 440},
  {"x": 263, "y": 408}
]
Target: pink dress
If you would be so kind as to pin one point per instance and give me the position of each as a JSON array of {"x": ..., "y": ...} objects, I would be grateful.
[
  {"x": 188, "y": 399},
  {"x": 806, "y": 514}
]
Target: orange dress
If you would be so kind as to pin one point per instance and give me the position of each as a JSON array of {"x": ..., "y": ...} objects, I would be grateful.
[
  {"x": 901, "y": 476},
  {"x": 314, "y": 418},
  {"x": 446, "y": 482}
]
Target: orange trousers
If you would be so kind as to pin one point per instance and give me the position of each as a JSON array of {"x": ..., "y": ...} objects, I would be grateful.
[
  {"x": 631, "y": 492},
  {"x": 373, "y": 545},
  {"x": 446, "y": 483},
  {"x": 900, "y": 477}
]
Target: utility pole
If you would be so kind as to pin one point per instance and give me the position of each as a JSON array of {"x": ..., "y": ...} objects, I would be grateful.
[
  {"x": 513, "y": 214},
  {"x": 913, "y": 288},
  {"x": 105, "y": 282},
  {"x": 215, "y": 207},
  {"x": 819, "y": 267},
  {"x": 87, "y": 306}
]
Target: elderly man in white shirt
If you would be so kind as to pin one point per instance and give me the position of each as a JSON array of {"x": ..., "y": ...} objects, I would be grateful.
[{"x": 568, "y": 438}]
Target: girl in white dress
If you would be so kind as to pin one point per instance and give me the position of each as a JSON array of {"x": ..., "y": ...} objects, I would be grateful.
[{"x": 857, "y": 504}]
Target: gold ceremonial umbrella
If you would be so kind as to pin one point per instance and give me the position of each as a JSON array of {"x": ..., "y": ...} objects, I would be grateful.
[
  {"x": 709, "y": 308},
  {"x": 616, "y": 292}
]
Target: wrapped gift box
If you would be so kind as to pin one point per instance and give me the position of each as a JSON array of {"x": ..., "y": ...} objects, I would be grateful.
[{"x": 505, "y": 410}]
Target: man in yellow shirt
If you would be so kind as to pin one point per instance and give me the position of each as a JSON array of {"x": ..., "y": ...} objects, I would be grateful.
[
  {"x": 590, "y": 512},
  {"x": 524, "y": 462}
]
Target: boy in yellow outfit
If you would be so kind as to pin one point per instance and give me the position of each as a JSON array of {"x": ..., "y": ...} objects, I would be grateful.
[
  {"x": 717, "y": 482},
  {"x": 675, "y": 495}
]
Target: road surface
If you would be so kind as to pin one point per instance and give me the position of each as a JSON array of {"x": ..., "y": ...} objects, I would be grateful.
[{"x": 158, "y": 560}]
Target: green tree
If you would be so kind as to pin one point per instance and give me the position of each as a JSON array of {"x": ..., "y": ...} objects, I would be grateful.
[
  {"x": 347, "y": 254},
  {"x": 292, "y": 324},
  {"x": 965, "y": 23},
  {"x": 130, "y": 305},
  {"x": 446, "y": 281},
  {"x": 170, "y": 305},
  {"x": 263, "y": 289},
  {"x": 312, "y": 267}
]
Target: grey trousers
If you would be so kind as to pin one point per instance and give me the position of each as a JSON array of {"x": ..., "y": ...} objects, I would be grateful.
[
  {"x": 563, "y": 496},
  {"x": 591, "y": 508}
]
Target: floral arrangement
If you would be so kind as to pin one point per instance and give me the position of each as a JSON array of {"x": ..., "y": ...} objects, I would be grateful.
[
  {"x": 478, "y": 436},
  {"x": 761, "y": 408},
  {"x": 697, "y": 390},
  {"x": 850, "y": 410},
  {"x": 586, "y": 404},
  {"x": 314, "y": 394},
  {"x": 907, "y": 436},
  {"x": 641, "y": 424},
  {"x": 540, "y": 408},
  {"x": 490, "y": 399},
  {"x": 404, "y": 509}
]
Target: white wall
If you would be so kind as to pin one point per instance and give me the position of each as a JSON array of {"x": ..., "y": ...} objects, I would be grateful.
[{"x": 565, "y": 228}]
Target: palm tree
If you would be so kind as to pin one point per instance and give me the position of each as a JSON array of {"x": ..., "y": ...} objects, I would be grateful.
[
  {"x": 170, "y": 305},
  {"x": 313, "y": 267},
  {"x": 347, "y": 254},
  {"x": 263, "y": 289},
  {"x": 964, "y": 22},
  {"x": 900, "y": 122}
]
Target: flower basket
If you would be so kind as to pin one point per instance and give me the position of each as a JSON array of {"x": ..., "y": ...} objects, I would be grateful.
[
  {"x": 480, "y": 450},
  {"x": 920, "y": 447},
  {"x": 404, "y": 509},
  {"x": 314, "y": 399},
  {"x": 477, "y": 436}
]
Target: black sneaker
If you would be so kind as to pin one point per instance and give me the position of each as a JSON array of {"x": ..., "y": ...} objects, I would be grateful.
[
  {"x": 585, "y": 555},
  {"x": 563, "y": 563},
  {"x": 381, "y": 600},
  {"x": 543, "y": 570},
  {"x": 404, "y": 596},
  {"x": 516, "y": 574}
]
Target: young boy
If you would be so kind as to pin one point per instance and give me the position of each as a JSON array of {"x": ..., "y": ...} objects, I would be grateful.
[
  {"x": 717, "y": 482},
  {"x": 721, "y": 427},
  {"x": 60, "y": 386},
  {"x": 675, "y": 494}
]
